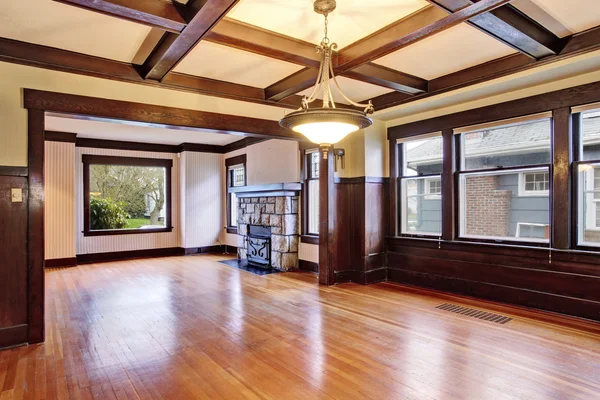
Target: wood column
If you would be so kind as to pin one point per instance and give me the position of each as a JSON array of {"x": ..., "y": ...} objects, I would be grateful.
[
  {"x": 326, "y": 215},
  {"x": 35, "y": 156},
  {"x": 562, "y": 156},
  {"x": 448, "y": 185}
]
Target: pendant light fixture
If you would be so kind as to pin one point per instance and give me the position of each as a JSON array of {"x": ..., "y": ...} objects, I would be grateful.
[{"x": 328, "y": 124}]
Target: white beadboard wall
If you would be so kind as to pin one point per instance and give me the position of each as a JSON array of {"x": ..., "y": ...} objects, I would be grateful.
[
  {"x": 105, "y": 244},
  {"x": 202, "y": 199},
  {"x": 309, "y": 252},
  {"x": 59, "y": 206}
]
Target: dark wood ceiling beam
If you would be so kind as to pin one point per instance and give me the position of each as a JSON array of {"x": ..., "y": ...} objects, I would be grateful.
[
  {"x": 202, "y": 16},
  {"x": 578, "y": 44},
  {"x": 161, "y": 14},
  {"x": 511, "y": 27},
  {"x": 118, "y": 110},
  {"x": 387, "y": 77},
  {"x": 30, "y": 54},
  {"x": 242, "y": 36},
  {"x": 418, "y": 26},
  {"x": 291, "y": 85}
]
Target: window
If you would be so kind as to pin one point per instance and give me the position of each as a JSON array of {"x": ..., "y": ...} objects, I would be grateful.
[
  {"x": 504, "y": 182},
  {"x": 433, "y": 188},
  {"x": 534, "y": 183},
  {"x": 311, "y": 193},
  {"x": 588, "y": 179},
  {"x": 125, "y": 195},
  {"x": 421, "y": 186},
  {"x": 236, "y": 177}
]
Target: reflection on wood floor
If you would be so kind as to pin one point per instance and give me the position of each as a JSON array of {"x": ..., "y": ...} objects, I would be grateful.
[{"x": 192, "y": 328}]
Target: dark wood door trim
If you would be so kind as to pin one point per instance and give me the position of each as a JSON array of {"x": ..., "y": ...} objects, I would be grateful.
[
  {"x": 35, "y": 286},
  {"x": 154, "y": 114}
]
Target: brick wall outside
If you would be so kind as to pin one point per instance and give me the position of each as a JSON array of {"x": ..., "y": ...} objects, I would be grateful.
[
  {"x": 592, "y": 236},
  {"x": 487, "y": 209}
]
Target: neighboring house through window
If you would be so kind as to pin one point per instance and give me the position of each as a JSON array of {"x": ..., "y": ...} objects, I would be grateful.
[
  {"x": 236, "y": 177},
  {"x": 504, "y": 180},
  {"x": 421, "y": 186},
  {"x": 588, "y": 181}
]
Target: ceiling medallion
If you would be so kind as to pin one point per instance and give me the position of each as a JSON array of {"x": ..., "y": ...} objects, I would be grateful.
[{"x": 327, "y": 125}]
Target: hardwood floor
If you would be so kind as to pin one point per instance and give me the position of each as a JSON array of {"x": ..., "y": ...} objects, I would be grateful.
[{"x": 192, "y": 328}]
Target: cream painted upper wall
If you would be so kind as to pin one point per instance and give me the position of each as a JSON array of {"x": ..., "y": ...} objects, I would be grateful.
[
  {"x": 13, "y": 135},
  {"x": 354, "y": 145},
  {"x": 377, "y": 150}
]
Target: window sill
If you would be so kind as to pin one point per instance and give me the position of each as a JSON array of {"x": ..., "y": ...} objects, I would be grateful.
[
  {"x": 309, "y": 239},
  {"x": 232, "y": 229},
  {"x": 126, "y": 232}
]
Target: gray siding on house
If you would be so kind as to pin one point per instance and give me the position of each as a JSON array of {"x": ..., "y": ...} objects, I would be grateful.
[
  {"x": 431, "y": 215},
  {"x": 532, "y": 209}
]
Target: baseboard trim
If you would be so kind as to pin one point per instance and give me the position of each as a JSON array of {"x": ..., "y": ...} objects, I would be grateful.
[
  {"x": 216, "y": 249},
  {"x": 376, "y": 275},
  {"x": 127, "y": 255},
  {"x": 310, "y": 266},
  {"x": 61, "y": 262},
  {"x": 13, "y": 336}
]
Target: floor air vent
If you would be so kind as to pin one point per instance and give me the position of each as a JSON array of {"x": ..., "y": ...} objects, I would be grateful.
[{"x": 471, "y": 312}]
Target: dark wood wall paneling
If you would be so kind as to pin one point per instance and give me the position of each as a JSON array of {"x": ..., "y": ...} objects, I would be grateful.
[
  {"x": 563, "y": 279},
  {"x": 360, "y": 230}
]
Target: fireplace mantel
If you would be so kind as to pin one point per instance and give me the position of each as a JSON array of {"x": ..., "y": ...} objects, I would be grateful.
[{"x": 270, "y": 190}]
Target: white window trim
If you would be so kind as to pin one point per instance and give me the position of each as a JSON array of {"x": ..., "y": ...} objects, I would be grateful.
[
  {"x": 427, "y": 191},
  {"x": 590, "y": 215},
  {"x": 532, "y": 193}
]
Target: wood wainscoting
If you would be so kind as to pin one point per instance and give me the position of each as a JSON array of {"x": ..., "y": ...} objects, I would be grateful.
[
  {"x": 13, "y": 256},
  {"x": 509, "y": 274},
  {"x": 360, "y": 230}
]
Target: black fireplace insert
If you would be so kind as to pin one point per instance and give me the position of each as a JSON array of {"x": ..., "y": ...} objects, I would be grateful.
[{"x": 259, "y": 245}]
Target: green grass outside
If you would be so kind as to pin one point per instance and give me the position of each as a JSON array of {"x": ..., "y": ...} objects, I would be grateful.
[{"x": 134, "y": 223}]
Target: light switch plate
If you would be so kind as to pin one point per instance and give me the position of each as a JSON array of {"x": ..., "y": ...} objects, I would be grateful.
[{"x": 16, "y": 195}]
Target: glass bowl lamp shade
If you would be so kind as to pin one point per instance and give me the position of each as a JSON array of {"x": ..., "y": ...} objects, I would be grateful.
[{"x": 326, "y": 125}]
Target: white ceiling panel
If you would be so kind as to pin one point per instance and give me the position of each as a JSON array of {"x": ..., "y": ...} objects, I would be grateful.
[
  {"x": 574, "y": 15},
  {"x": 132, "y": 132},
  {"x": 449, "y": 51},
  {"x": 355, "y": 90},
  {"x": 223, "y": 63},
  {"x": 53, "y": 24},
  {"x": 351, "y": 21}
]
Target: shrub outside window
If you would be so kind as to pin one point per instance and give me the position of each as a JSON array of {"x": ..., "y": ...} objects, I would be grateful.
[{"x": 126, "y": 195}]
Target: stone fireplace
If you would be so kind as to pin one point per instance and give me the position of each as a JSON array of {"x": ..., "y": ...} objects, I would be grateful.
[{"x": 268, "y": 218}]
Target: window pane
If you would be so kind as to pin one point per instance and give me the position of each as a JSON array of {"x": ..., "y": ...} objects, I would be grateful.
[
  {"x": 589, "y": 204},
  {"x": 423, "y": 157},
  {"x": 313, "y": 207},
  {"x": 238, "y": 176},
  {"x": 590, "y": 128},
  {"x": 314, "y": 165},
  {"x": 234, "y": 209},
  {"x": 493, "y": 207},
  {"x": 421, "y": 212},
  {"x": 508, "y": 146},
  {"x": 126, "y": 197}
]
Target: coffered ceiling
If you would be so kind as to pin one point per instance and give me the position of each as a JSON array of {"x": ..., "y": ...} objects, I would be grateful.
[
  {"x": 391, "y": 52},
  {"x": 352, "y": 20}
]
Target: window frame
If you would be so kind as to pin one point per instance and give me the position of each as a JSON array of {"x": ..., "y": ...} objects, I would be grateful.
[
  {"x": 229, "y": 164},
  {"x": 428, "y": 194},
  {"x": 306, "y": 236},
  {"x": 523, "y": 192},
  {"x": 402, "y": 167},
  {"x": 461, "y": 217},
  {"x": 91, "y": 159}
]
